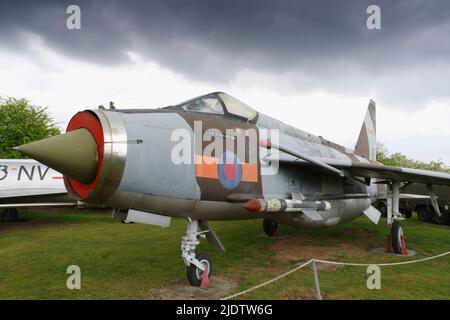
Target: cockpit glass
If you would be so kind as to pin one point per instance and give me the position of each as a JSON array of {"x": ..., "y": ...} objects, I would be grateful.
[
  {"x": 205, "y": 104},
  {"x": 237, "y": 107}
]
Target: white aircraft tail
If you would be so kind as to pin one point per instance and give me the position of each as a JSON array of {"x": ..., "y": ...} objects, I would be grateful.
[{"x": 367, "y": 142}]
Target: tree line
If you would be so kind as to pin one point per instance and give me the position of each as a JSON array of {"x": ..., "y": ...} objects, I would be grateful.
[{"x": 398, "y": 159}]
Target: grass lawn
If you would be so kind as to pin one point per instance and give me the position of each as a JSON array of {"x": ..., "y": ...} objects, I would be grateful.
[{"x": 120, "y": 261}]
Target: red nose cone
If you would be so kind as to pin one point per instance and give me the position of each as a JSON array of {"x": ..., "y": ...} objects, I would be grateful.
[
  {"x": 253, "y": 205},
  {"x": 90, "y": 122}
]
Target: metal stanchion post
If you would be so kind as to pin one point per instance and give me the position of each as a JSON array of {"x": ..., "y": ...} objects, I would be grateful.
[{"x": 316, "y": 280}]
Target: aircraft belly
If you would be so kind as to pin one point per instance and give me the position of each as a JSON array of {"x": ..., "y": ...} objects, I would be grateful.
[
  {"x": 168, "y": 206},
  {"x": 195, "y": 209},
  {"x": 216, "y": 211}
]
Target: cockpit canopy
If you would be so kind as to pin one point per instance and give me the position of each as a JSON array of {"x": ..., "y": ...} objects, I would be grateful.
[{"x": 220, "y": 103}]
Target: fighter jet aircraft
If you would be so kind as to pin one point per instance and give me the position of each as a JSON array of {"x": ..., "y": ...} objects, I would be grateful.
[
  {"x": 28, "y": 183},
  {"x": 215, "y": 158}
]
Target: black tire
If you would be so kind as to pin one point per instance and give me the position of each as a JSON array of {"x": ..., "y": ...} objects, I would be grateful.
[
  {"x": 397, "y": 237},
  {"x": 382, "y": 208},
  {"x": 270, "y": 228},
  {"x": 194, "y": 274},
  {"x": 423, "y": 213}
]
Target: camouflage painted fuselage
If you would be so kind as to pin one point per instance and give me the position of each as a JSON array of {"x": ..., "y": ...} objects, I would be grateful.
[{"x": 150, "y": 181}]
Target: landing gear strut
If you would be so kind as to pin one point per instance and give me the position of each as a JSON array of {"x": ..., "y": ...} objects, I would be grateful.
[
  {"x": 199, "y": 267},
  {"x": 396, "y": 238}
]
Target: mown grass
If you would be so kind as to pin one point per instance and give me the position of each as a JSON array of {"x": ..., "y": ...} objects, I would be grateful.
[{"x": 129, "y": 261}]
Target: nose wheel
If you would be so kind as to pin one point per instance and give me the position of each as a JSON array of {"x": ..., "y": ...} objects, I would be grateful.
[
  {"x": 198, "y": 267},
  {"x": 195, "y": 275}
]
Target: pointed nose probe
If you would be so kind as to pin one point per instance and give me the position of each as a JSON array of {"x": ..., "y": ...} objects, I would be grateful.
[{"x": 74, "y": 154}]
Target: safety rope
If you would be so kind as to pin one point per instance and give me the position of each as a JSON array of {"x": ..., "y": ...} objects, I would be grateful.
[
  {"x": 268, "y": 282},
  {"x": 382, "y": 264},
  {"x": 352, "y": 264}
]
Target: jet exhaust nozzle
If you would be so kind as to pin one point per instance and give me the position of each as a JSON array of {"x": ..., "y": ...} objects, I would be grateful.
[{"x": 73, "y": 153}]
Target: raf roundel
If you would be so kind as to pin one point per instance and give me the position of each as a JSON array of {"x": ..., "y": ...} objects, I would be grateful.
[{"x": 229, "y": 170}]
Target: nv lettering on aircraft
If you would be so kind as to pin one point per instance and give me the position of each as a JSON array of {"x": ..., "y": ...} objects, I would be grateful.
[
  {"x": 23, "y": 171},
  {"x": 30, "y": 174},
  {"x": 190, "y": 164},
  {"x": 28, "y": 183}
]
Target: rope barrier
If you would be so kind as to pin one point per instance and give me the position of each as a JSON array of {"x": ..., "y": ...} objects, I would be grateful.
[
  {"x": 382, "y": 264},
  {"x": 352, "y": 264},
  {"x": 268, "y": 282}
]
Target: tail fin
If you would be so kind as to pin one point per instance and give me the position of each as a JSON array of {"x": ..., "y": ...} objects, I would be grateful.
[{"x": 367, "y": 141}]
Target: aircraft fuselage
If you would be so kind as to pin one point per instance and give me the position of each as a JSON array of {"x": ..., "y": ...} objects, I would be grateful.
[{"x": 141, "y": 172}]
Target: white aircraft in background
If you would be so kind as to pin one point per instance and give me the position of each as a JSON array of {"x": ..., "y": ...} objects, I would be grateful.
[{"x": 27, "y": 183}]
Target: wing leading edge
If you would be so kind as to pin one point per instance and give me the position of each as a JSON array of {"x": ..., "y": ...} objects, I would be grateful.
[
  {"x": 371, "y": 170},
  {"x": 375, "y": 170}
]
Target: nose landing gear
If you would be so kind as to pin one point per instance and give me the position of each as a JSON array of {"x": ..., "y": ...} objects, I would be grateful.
[
  {"x": 198, "y": 267},
  {"x": 196, "y": 276}
]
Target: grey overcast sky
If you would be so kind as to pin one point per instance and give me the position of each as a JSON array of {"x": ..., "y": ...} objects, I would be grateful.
[{"x": 313, "y": 64}]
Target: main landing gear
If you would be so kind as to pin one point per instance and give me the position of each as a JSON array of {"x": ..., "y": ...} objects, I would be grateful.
[
  {"x": 199, "y": 267},
  {"x": 396, "y": 240},
  {"x": 270, "y": 228}
]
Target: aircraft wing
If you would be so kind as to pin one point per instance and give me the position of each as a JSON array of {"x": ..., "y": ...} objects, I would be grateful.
[
  {"x": 368, "y": 170},
  {"x": 371, "y": 170}
]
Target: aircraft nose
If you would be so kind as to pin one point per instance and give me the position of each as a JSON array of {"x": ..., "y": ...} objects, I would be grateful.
[{"x": 73, "y": 154}]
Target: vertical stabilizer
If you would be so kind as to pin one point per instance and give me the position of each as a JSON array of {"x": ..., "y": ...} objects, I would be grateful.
[{"x": 367, "y": 141}]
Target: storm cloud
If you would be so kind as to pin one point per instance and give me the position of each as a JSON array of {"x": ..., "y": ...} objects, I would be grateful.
[{"x": 313, "y": 45}]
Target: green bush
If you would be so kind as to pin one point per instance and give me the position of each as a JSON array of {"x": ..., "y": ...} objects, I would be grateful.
[
  {"x": 400, "y": 160},
  {"x": 22, "y": 123}
]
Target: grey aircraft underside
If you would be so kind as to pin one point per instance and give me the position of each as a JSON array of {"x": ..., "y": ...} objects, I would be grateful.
[{"x": 215, "y": 158}]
